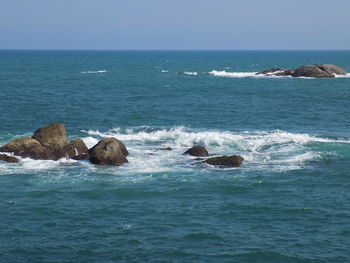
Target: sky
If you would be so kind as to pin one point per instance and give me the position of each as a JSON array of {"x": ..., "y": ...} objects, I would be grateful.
[{"x": 175, "y": 24}]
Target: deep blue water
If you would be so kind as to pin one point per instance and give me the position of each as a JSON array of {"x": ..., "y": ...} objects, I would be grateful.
[{"x": 289, "y": 202}]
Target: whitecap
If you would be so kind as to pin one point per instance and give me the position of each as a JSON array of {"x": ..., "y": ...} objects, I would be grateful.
[
  {"x": 342, "y": 76},
  {"x": 232, "y": 74},
  {"x": 94, "y": 72},
  {"x": 191, "y": 73}
]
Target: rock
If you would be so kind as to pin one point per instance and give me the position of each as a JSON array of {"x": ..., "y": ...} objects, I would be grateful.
[
  {"x": 81, "y": 157},
  {"x": 332, "y": 69},
  {"x": 229, "y": 161},
  {"x": 165, "y": 149},
  {"x": 288, "y": 72},
  {"x": 53, "y": 136},
  {"x": 8, "y": 159},
  {"x": 271, "y": 71},
  {"x": 197, "y": 151},
  {"x": 311, "y": 71},
  {"x": 28, "y": 147},
  {"x": 109, "y": 151},
  {"x": 79, "y": 145}
]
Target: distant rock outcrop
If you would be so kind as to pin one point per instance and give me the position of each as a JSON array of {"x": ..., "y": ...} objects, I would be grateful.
[
  {"x": 197, "y": 151},
  {"x": 229, "y": 161},
  {"x": 309, "y": 71}
]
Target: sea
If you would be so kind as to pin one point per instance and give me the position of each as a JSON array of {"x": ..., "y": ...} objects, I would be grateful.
[{"x": 288, "y": 202}]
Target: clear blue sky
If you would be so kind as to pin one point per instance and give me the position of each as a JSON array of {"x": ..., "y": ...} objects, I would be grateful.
[{"x": 174, "y": 24}]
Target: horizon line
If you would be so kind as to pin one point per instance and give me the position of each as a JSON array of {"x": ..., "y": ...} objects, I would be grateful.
[{"x": 160, "y": 50}]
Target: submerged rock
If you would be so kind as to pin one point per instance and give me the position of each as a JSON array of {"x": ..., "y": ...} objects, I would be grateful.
[
  {"x": 229, "y": 161},
  {"x": 197, "y": 151},
  {"x": 81, "y": 157},
  {"x": 8, "y": 159},
  {"x": 165, "y": 149},
  {"x": 109, "y": 151}
]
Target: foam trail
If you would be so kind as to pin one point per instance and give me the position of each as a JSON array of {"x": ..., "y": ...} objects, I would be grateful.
[
  {"x": 191, "y": 73},
  {"x": 343, "y": 76},
  {"x": 232, "y": 74},
  {"x": 93, "y": 72}
]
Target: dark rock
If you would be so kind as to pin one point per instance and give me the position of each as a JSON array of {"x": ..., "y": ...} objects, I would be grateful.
[
  {"x": 79, "y": 145},
  {"x": 311, "y": 71},
  {"x": 288, "y": 72},
  {"x": 28, "y": 147},
  {"x": 197, "y": 151},
  {"x": 271, "y": 71},
  {"x": 229, "y": 161},
  {"x": 80, "y": 157},
  {"x": 8, "y": 159},
  {"x": 332, "y": 69},
  {"x": 53, "y": 136},
  {"x": 108, "y": 152},
  {"x": 165, "y": 149}
]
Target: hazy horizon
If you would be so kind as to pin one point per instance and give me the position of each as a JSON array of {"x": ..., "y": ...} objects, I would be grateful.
[{"x": 180, "y": 25}]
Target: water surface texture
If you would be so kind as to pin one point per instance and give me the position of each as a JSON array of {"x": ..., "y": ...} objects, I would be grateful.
[{"x": 289, "y": 202}]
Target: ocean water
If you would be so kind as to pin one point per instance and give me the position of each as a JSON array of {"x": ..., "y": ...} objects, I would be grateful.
[{"x": 288, "y": 202}]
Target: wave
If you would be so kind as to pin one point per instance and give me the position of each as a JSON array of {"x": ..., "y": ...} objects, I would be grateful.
[
  {"x": 191, "y": 73},
  {"x": 94, "y": 72},
  {"x": 276, "y": 150},
  {"x": 164, "y": 71},
  {"x": 232, "y": 74}
]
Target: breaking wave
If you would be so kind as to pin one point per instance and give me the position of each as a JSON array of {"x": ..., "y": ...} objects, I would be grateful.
[
  {"x": 159, "y": 150},
  {"x": 275, "y": 150},
  {"x": 191, "y": 73}
]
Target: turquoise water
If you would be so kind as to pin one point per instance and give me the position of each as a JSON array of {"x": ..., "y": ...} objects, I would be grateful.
[{"x": 289, "y": 202}]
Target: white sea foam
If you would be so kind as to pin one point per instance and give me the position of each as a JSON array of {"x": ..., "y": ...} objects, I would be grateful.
[
  {"x": 164, "y": 71},
  {"x": 270, "y": 150},
  {"x": 232, "y": 74},
  {"x": 277, "y": 150},
  {"x": 94, "y": 72},
  {"x": 191, "y": 73},
  {"x": 343, "y": 76}
]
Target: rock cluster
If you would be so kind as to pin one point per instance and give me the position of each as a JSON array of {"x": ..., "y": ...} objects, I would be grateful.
[
  {"x": 310, "y": 71},
  {"x": 51, "y": 143}
]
